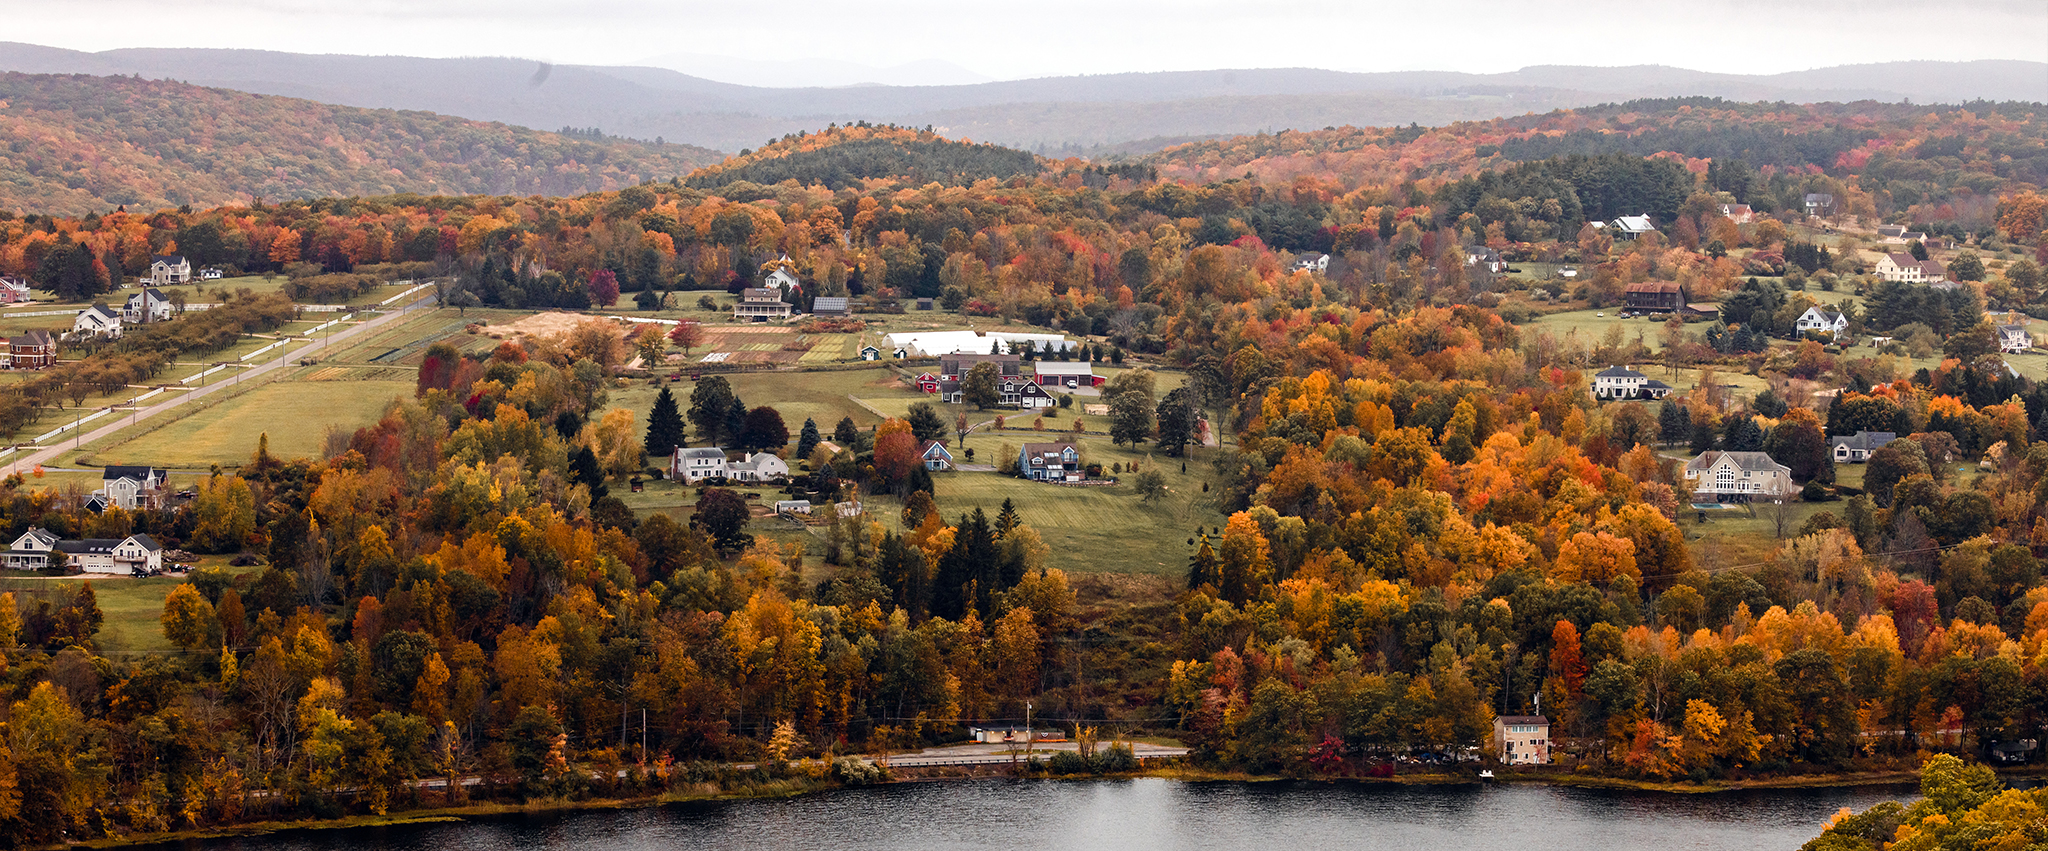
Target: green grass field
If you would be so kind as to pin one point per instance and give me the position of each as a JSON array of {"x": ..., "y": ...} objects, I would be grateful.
[
  {"x": 294, "y": 412},
  {"x": 133, "y": 607},
  {"x": 1095, "y": 529}
]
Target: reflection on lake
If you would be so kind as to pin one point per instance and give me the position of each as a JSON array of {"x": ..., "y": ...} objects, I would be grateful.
[{"x": 1131, "y": 815}]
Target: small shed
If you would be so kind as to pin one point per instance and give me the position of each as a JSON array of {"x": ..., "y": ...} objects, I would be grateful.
[
  {"x": 870, "y": 353},
  {"x": 924, "y": 304},
  {"x": 793, "y": 506}
]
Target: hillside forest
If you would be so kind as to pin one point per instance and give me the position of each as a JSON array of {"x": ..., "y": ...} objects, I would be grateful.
[
  {"x": 1421, "y": 520},
  {"x": 76, "y": 144}
]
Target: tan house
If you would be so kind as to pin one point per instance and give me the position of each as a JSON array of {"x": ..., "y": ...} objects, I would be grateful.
[
  {"x": 1522, "y": 739},
  {"x": 1738, "y": 476},
  {"x": 1901, "y": 267}
]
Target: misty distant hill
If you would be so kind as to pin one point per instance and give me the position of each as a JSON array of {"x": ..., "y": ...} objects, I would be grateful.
[
  {"x": 74, "y": 143},
  {"x": 1049, "y": 115}
]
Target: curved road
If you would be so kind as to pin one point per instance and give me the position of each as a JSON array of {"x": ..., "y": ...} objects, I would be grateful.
[{"x": 29, "y": 460}]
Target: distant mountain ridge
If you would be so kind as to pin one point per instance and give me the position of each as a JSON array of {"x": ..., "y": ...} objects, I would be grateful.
[
  {"x": 1048, "y": 115},
  {"x": 73, "y": 144}
]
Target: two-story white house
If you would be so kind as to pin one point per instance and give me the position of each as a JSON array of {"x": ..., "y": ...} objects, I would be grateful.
[
  {"x": 149, "y": 305},
  {"x": 169, "y": 269},
  {"x": 134, "y": 555},
  {"x": 1617, "y": 383},
  {"x": 690, "y": 466},
  {"x": 1819, "y": 318},
  {"x": 97, "y": 321},
  {"x": 13, "y": 290},
  {"x": 2014, "y": 339},
  {"x": 1313, "y": 261},
  {"x": 1522, "y": 739},
  {"x": 129, "y": 487},
  {"x": 1738, "y": 476}
]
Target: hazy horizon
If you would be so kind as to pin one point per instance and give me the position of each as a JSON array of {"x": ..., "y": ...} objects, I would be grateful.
[{"x": 919, "y": 42}]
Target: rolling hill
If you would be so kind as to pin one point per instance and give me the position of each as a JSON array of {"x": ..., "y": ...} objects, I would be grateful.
[
  {"x": 1089, "y": 114},
  {"x": 73, "y": 144}
]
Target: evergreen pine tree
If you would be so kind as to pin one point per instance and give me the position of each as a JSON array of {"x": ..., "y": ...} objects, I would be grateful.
[
  {"x": 1007, "y": 520},
  {"x": 664, "y": 425},
  {"x": 808, "y": 439},
  {"x": 1674, "y": 422},
  {"x": 735, "y": 424}
]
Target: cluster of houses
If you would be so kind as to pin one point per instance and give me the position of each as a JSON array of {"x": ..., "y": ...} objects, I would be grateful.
[
  {"x": 1013, "y": 387},
  {"x": 101, "y": 322},
  {"x": 128, "y": 487},
  {"x": 693, "y": 465},
  {"x": 135, "y": 555}
]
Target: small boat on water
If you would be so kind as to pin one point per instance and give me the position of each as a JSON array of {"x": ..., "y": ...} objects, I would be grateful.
[{"x": 1486, "y": 774}]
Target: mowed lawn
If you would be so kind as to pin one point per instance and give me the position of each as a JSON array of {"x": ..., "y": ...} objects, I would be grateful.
[
  {"x": 295, "y": 413},
  {"x": 133, "y": 607},
  {"x": 1095, "y": 529}
]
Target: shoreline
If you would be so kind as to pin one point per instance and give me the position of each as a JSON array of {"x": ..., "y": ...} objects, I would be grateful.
[{"x": 794, "y": 788}]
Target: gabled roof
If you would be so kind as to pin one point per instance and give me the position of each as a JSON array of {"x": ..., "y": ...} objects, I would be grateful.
[
  {"x": 1755, "y": 462},
  {"x": 1827, "y": 313},
  {"x": 89, "y": 546},
  {"x": 925, "y": 451},
  {"x": 1053, "y": 448},
  {"x": 700, "y": 452},
  {"x": 760, "y": 294},
  {"x": 102, "y": 312},
  {"x": 168, "y": 259},
  {"x": 147, "y": 542},
  {"x": 1654, "y": 384},
  {"x": 1635, "y": 224},
  {"x": 753, "y": 462},
  {"x": 1654, "y": 287},
  {"x": 131, "y": 471},
  {"x": 37, "y": 337},
  {"x": 1617, "y": 372},
  {"x": 1864, "y": 440},
  {"x": 41, "y": 536},
  {"x": 1902, "y": 259},
  {"x": 1523, "y": 719}
]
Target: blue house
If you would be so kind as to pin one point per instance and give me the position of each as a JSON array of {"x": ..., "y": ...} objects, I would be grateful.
[{"x": 1050, "y": 462}]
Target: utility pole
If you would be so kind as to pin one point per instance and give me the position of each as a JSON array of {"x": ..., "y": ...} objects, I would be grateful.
[
  {"x": 643, "y": 735},
  {"x": 1030, "y": 738}
]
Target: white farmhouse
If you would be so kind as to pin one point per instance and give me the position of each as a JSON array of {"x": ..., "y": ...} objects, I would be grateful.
[
  {"x": 1818, "y": 318},
  {"x": 695, "y": 465},
  {"x": 758, "y": 467},
  {"x": 96, "y": 321}
]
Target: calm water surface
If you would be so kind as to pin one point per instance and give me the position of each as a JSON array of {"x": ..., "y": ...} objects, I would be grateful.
[{"x": 1142, "y": 814}]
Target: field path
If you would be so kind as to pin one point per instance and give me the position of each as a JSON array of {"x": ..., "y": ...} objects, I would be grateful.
[{"x": 29, "y": 460}]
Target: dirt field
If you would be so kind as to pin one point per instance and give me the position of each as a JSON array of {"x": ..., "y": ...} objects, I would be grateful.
[{"x": 543, "y": 324}]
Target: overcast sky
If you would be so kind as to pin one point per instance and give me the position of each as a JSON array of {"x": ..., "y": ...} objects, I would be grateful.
[{"x": 1056, "y": 37}]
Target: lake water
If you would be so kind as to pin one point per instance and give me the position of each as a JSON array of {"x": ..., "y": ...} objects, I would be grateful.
[{"x": 1135, "y": 815}]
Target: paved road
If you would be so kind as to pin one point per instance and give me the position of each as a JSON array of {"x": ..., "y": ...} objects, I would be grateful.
[{"x": 28, "y": 461}]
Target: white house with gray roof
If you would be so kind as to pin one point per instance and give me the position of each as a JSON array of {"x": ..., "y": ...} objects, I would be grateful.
[
  {"x": 1617, "y": 383},
  {"x": 134, "y": 555},
  {"x": 1818, "y": 318},
  {"x": 1856, "y": 448},
  {"x": 1738, "y": 476}
]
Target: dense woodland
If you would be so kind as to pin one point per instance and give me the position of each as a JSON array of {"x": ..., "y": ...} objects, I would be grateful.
[
  {"x": 73, "y": 144},
  {"x": 1425, "y": 519}
]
